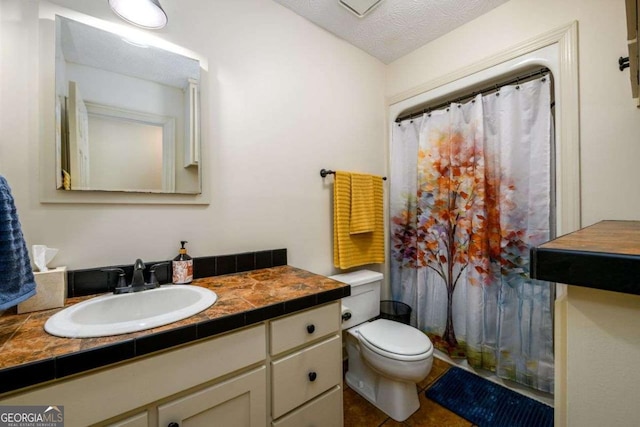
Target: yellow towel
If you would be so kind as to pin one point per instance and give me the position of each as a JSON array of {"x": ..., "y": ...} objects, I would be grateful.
[
  {"x": 362, "y": 219},
  {"x": 351, "y": 250},
  {"x": 66, "y": 180}
]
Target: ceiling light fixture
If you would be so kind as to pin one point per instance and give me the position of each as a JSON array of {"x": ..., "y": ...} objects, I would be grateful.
[{"x": 143, "y": 13}]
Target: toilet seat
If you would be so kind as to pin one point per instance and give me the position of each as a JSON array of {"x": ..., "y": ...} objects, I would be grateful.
[{"x": 395, "y": 340}]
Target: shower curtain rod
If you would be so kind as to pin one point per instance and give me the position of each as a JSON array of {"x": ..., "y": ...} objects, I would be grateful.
[{"x": 495, "y": 88}]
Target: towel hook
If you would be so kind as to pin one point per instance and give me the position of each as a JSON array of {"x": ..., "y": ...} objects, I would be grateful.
[{"x": 623, "y": 63}]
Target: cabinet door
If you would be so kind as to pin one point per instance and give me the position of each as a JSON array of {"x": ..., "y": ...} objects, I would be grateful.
[{"x": 239, "y": 402}]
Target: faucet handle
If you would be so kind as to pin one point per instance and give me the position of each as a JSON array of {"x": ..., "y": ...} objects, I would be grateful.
[
  {"x": 121, "y": 280},
  {"x": 153, "y": 280}
]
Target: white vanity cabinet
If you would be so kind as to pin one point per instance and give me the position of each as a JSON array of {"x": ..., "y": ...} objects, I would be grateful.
[
  {"x": 306, "y": 368},
  {"x": 132, "y": 394}
]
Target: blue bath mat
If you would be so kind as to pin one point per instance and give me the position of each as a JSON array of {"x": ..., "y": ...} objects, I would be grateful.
[{"x": 487, "y": 404}]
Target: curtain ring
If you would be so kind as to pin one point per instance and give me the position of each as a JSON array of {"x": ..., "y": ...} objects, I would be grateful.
[{"x": 517, "y": 83}]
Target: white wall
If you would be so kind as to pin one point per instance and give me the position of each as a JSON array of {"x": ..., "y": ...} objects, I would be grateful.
[
  {"x": 286, "y": 99},
  {"x": 603, "y": 349},
  {"x": 600, "y": 338},
  {"x": 126, "y": 92},
  {"x": 124, "y": 155}
]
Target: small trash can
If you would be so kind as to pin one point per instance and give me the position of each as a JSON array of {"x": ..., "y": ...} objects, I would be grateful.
[{"x": 395, "y": 310}]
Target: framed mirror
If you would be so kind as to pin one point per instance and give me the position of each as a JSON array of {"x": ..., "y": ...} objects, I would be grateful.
[{"x": 127, "y": 114}]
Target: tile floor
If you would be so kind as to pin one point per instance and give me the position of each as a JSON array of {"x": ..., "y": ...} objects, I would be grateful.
[{"x": 360, "y": 413}]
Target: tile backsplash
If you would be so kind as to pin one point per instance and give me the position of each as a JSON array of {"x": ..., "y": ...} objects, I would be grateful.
[{"x": 94, "y": 281}]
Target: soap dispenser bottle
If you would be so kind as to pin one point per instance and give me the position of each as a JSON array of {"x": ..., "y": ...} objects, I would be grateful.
[{"x": 182, "y": 266}]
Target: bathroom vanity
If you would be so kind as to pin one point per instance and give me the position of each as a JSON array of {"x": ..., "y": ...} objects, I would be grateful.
[
  {"x": 605, "y": 255},
  {"x": 269, "y": 352}
]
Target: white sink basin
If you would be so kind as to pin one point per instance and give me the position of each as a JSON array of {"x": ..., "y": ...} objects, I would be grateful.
[{"x": 120, "y": 314}]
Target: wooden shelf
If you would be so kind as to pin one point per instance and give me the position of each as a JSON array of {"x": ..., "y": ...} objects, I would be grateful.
[{"x": 604, "y": 256}]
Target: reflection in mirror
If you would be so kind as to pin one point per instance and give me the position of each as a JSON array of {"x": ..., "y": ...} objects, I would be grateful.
[{"x": 127, "y": 114}]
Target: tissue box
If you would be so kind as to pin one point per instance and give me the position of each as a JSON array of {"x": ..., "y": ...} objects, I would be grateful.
[{"x": 51, "y": 291}]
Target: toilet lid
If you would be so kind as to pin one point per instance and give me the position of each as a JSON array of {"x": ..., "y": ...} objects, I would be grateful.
[{"x": 395, "y": 338}]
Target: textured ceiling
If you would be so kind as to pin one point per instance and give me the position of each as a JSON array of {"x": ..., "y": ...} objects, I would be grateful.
[
  {"x": 86, "y": 45},
  {"x": 394, "y": 27}
]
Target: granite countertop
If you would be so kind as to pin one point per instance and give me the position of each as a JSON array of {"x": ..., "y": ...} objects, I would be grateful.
[{"x": 29, "y": 355}]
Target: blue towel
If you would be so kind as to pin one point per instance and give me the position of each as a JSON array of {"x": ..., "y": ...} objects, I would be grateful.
[{"x": 16, "y": 277}]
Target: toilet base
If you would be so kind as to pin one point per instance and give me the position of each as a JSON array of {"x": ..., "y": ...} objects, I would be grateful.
[{"x": 397, "y": 399}]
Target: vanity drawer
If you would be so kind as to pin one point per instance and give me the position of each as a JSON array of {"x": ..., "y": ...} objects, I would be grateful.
[
  {"x": 298, "y": 329},
  {"x": 305, "y": 374},
  {"x": 139, "y": 420},
  {"x": 325, "y": 410}
]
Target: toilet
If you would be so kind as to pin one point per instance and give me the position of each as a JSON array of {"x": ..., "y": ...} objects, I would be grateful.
[{"x": 386, "y": 358}]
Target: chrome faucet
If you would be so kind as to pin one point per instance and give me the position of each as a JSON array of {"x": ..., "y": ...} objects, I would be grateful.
[{"x": 137, "y": 282}]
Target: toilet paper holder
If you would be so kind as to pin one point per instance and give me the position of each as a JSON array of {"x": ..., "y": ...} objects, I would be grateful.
[{"x": 346, "y": 314}]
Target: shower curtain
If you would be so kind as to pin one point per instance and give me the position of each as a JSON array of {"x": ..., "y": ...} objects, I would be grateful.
[{"x": 470, "y": 193}]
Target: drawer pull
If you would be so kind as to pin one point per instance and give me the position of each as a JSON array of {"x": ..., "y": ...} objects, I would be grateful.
[
  {"x": 312, "y": 376},
  {"x": 311, "y": 328},
  {"x": 173, "y": 425}
]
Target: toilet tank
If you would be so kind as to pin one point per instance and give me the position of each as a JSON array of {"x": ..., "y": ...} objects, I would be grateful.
[{"x": 364, "y": 302}]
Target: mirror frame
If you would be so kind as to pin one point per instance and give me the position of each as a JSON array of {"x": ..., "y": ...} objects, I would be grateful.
[{"x": 47, "y": 138}]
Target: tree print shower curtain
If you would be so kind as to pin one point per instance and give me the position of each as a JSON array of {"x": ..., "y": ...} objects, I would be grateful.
[{"x": 471, "y": 190}]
